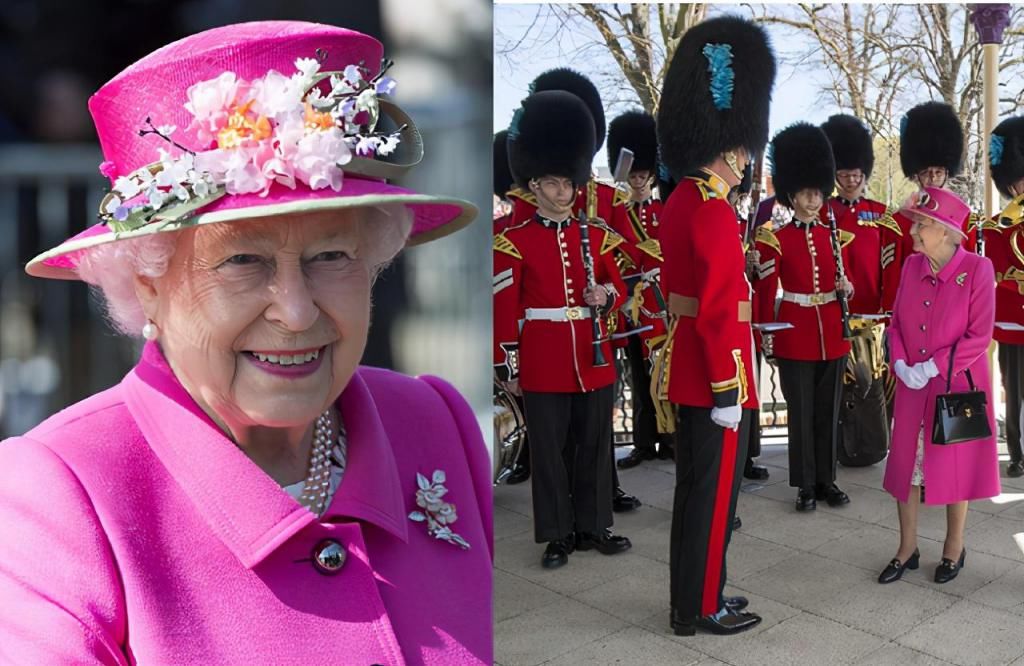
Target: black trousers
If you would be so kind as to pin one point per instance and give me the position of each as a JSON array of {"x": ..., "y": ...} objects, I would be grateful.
[
  {"x": 754, "y": 438},
  {"x": 709, "y": 468},
  {"x": 812, "y": 391},
  {"x": 1011, "y": 367},
  {"x": 570, "y": 493},
  {"x": 645, "y": 420}
]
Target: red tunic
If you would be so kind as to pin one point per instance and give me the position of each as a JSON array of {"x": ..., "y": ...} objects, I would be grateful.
[
  {"x": 1005, "y": 247},
  {"x": 538, "y": 266},
  {"x": 799, "y": 258},
  {"x": 870, "y": 257},
  {"x": 710, "y": 356},
  {"x": 648, "y": 305}
]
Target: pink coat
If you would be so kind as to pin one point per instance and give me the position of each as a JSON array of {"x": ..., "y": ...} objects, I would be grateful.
[
  {"x": 931, "y": 313},
  {"x": 133, "y": 531}
]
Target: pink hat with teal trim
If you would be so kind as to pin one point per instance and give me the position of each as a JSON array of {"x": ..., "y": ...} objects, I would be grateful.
[
  {"x": 248, "y": 121},
  {"x": 940, "y": 205}
]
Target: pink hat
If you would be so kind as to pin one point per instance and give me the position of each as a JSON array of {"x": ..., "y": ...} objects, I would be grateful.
[
  {"x": 252, "y": 120},
  {"x": 940, "y": 205}
]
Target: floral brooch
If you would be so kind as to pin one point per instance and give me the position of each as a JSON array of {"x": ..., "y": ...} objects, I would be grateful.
[{"x": 437, "y": 514}]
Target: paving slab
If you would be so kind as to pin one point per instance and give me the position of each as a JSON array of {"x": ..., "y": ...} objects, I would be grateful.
[
  {"x": 632, "y": 645},
  {"x": 971, "y": 634},
  {"x": 545, "y": 633}
]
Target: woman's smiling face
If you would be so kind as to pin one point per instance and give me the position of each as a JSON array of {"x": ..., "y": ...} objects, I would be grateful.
[{"x": 264, "y": 321}]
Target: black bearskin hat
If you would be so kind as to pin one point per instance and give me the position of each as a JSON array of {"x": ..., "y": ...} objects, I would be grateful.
[
  {"x": 502, "y": 174},
  {"x": 851, "y": 143},
  {"x": 572, "y": 81},
  {"x": 931, "y": 136},
  {"x": 1006, "y": 154},
  {"x": 716, "y": 94},
  {"x": 552, "y": 134},
  {"x": 801, "y": 158},
  {"x": 634, "y": 130}
]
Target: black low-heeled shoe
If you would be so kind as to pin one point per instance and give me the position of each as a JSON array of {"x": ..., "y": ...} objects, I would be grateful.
[
  {"x": 948, "y": 569},
  {"x": 894, "y": 570}
]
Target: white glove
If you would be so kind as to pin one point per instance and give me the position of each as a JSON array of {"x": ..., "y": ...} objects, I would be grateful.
[
  {"x": 727, "y": 417},
  {"x": 930, "y": 369},
  {"x": 911, "y": 379}
]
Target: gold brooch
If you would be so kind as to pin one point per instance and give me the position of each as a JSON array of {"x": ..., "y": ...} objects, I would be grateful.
[{"x": 960, "y": 279}]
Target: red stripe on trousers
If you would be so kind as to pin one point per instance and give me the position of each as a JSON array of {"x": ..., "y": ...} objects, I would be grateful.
[{"x": 716, "y": 539}]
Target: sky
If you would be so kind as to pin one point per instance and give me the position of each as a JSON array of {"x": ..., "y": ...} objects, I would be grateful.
[{"x": 536, "y": 46}]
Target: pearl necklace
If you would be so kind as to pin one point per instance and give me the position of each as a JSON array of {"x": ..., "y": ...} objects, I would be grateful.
[{"x": 318, "y": 480}]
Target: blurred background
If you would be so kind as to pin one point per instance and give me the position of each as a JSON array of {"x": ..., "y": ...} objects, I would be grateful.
[{"x": 432, "y": 307}]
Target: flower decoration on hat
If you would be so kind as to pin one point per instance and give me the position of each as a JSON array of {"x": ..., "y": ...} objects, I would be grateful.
[
  {"x": 278, "y": 129},
  {"x": 437, "y": 514},
  {"x": 995, "y": 150},
  {"x": 720, "y": 67}
]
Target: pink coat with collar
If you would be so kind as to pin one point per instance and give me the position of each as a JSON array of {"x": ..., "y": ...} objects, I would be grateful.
[
  {"x": 931, "y": 313},
  {"x": 133, "y": 531}
]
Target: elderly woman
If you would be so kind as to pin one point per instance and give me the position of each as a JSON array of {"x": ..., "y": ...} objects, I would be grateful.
[
  {"x": 248, "y": 493},
  {"x": 942, "y": 319}
]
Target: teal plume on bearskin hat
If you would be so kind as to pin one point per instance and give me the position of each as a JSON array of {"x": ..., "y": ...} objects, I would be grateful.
[
  {"x": 801, "y": 159},
  {"x": 502, "y": 173},
  {"x": 716, "y": 94},
  {"x": 1008, "y": 159}
]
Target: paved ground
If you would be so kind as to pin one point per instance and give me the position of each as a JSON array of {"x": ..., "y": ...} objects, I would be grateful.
[{"x": 812, "y": 577}]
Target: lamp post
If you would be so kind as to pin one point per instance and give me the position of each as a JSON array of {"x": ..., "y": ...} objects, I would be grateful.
[{"x": 990, "y": 20}]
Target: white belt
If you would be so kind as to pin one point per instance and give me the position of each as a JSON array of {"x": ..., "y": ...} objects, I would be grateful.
[
  {"x": 558, "y": 314},
  {"x": 651, "y": 274},
  {"x": 809, "y": 300}
]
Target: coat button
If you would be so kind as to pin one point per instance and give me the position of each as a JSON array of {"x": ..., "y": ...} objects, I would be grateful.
[
  {"x": 923, "y": 327},
  {"x": 923, "y": 350},
  {"x": 927, "y": 303},
  {"x": 329, "y": 557}
]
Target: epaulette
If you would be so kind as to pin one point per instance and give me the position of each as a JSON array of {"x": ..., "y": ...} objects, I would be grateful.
[
  {"x": 845, "y": 238},
  {"x": 889, "y": 223},
  {"x": 523, "y": 195},
  {"x": 611, "y": 238},
  {"x": 505, "y": 246},
  {"x": 768, "y": 237},
  {"x": 652, "y": 247},
  {"x": 706, "y": 191},
  {"x": 620, "y": 198}
]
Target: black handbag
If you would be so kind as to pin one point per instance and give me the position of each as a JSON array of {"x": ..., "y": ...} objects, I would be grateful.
[{"x": 960, "y": 417}]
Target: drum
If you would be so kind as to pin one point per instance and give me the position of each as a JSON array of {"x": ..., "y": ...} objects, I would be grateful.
[{"x": 509, "y": 433}]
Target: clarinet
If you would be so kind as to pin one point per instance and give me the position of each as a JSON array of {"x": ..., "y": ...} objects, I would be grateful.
[
  {"x": 837, "y": 250},
  {"x": 588, "y": 266}
]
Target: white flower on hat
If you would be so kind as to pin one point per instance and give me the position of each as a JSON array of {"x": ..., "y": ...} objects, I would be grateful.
[{"x": 209, "y": 101}]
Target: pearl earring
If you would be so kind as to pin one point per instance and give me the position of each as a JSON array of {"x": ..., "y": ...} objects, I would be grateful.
[{"x": 150, "y": 331}]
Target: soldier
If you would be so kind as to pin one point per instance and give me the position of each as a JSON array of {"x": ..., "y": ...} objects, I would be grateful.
[
  {"x": 601, "y": 203},
  {"x": 559, "y": 278},
  {"x": 503, "y": 183},
  {"x": 635, "y": 131},
  {"x": 1004, "y": 245},
  {"x": 870, "y": 261},
  {"x": 931, "y": 154},
  {"x": 706, "y": 369},
  {"x": 800, "y": 257}
]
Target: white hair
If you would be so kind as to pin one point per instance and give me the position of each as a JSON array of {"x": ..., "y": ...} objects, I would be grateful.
[{"x": 112, "y": 267}]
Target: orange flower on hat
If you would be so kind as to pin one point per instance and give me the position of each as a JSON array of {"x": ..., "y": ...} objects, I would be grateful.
[
  {"x": 316, "y": 120},
  {"x": 243, "y": 126}
]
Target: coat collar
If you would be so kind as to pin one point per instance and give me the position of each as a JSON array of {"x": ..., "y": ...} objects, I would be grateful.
[
  {"x": 948, "y": 270},
  {"x": 243, "y": 506}
]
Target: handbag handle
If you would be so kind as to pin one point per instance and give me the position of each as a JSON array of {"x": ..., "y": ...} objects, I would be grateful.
[{"x": 949, "y": 375}]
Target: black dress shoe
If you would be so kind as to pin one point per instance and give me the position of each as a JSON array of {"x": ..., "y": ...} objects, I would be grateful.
[
  {"x": 666, "y": 451},
  {"x": 736, "y": 523},
  {"x": 519, "y": 474},
  {"x": 1015, "y": 469},
  {"x": 832, "y": 494},
  {"x": 894, "y": 570},
  {"x": 622, "y": 502},
  {"x": 735, "y": 603},
  {"x": 755, "y": 472},
  {"x": 605, "y": 543},
  {"x": 730, "y": 622},
  {"x": 948, "y": 569},
  {"x": 557, "y": 553},
  {"x": 805, "y": 500},
  {"x": 635, "y": 457}
]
